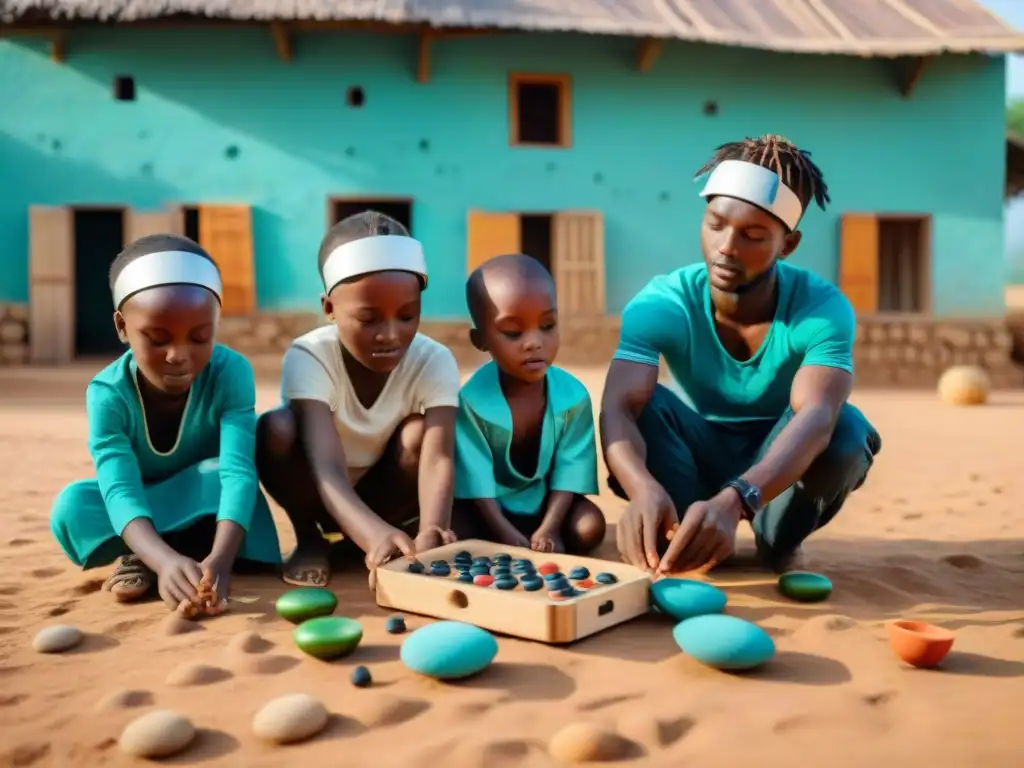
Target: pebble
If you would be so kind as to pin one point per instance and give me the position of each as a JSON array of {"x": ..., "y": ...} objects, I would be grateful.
[
  {"x": 480, "y": 570},
  {"x": 328, "y": 637},
  {"x": 193, "y": 673},
  {"x": 435, "y": 563},
  {"x": 723, "y": 641},
  {"x": 56, "y": 639},
  {"x": 483, "y": 580},
  {"x": 532, "y": 583},
  {"x": 579, "y": 572},
  {"x": 160, "y": 733},
  {"x": 463, "y": 555},
  {"x": 606, "y": 578},
  {"x": 805, "y": 586},
  {"x": 415, "y": 567},
  {"x": 440, "y": 570},
  {"x": 395, "y": 625},
  {"x": 361, "y": 677},
  {"x": 303, "y": 603},
  {"x": 290, "y": 718},
  {"x": 485, "y": 561},
  {"x": 556, "y": 584},
  {"x": 553, "y": 575},
  {"x": 509, "y": 582},
  {"x": 501, "y": 570},
  {"x": 685, "y": 598},
  {"x": 546, "y": 568},
  {"x": 587, "y": 743},
  {"x": 569, "y": 591},
  {"x": 502, "y": 557},
  {"x": 247, "y": 642},
  {"x": 466, "y": 577}
]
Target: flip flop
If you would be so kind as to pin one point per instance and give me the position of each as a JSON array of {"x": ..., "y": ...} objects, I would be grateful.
[
  {"x": 131, "y": 580},
  {"x": 307, "y": 569}
]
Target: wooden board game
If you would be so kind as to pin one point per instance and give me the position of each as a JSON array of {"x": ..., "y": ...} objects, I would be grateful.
[{"x": 570, "y": 612}]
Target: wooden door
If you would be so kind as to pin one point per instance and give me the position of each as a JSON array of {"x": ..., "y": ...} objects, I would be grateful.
[
  {"x": 577, "y": 261},
  {"x": 51, "y": 285},
  {"x": 142, "y": 223},
  {"x": 489, "y": 235},
  {"x": 858, "y": 261},
  {"x": 225, "y": 231}
]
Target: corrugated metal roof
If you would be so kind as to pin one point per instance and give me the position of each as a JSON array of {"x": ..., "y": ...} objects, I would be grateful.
[{"x": 855, "y": 27}]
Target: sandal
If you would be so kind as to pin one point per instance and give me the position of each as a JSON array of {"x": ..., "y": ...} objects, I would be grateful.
[{"x": 131, "y": 580}]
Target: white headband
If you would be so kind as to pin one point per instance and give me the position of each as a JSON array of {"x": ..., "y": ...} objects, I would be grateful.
[
  {"x": 166, "y": 268},
  {"x": 380, "y": 253},
  {"x": 758, "y": 186}
]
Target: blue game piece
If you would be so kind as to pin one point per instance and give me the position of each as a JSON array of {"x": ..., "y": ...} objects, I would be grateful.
[
  {"x": 724, "y": 642},
  {"x": 449, "y": 650},
  {"x": 579, "y": 573},
  {"x": 361, "y": 677},
  {"x": 685, "y": 598},
  {"x": 606, "y": 578},
  {"x": 416, "y": 567}
]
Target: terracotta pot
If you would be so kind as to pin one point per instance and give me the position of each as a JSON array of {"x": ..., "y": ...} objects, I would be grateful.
[{"x": 920, "y": 644}]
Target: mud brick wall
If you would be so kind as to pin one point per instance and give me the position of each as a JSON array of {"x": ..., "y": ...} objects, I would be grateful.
[{"x": 13, "y": 334}]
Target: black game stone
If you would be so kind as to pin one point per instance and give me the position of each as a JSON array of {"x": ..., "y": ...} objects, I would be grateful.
[
  {"x": 606, "y": 578},
  {"x": 434, "y": 563},
  {"x": 440, "y": 570},
  {"x": 466, "y": 577},
  {"x": 484, "y": 561},
  {"x": 568, "y": 591},
  {"x": 395, "y": 625},
  {"x": 501, "y": 570},
  {"x": 579, "y": 573},
  {"x": 361, "y": 677},
  {"x": 480, "y": 570},
  {"x": 463, "y": 556},
  {"x": 506, "y": 582},
  {"x": 556, "y": 584},
  {"x": 502, "y": 557},
  {"x": 416, "y": 567}
]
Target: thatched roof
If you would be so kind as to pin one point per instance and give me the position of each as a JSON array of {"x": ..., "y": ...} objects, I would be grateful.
[{"x": 857, "y": 27}]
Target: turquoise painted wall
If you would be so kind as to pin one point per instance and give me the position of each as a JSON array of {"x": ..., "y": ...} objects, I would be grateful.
[{"x": 637, "y": 141}]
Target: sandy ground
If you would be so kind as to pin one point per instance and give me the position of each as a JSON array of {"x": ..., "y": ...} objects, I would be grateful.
[{"x": 937, "y": 533}]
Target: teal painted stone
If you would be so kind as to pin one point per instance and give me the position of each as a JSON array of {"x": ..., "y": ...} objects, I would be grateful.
[
  {"x": 298, "y": 605},
  {"x": 805, "y": 586},
  {"x": 685, "y": 598},
  {"x": 449, "y": 650},
  {"x": 328, "y": 637},
  {"x": 724, "y": 642}
]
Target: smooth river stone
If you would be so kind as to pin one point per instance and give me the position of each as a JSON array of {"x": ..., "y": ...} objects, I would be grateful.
[
  {"x": 160, "y": 733},
  {"x": 686, "y": 598},
  {"x": 606, "y": 578},
  {"x": 291, "y": 718},
  {"x": 298, "y": 605},
  {"x": 532, "y": 583},
  {"x": 449, "y": 650},
  {"x": 724, "y": 642},
  {"x": 328, "y": 637},
  {"x": 56, "y": 639},
  {"x": 578, "y": 573},
  {"x": 805, "y": 586}
]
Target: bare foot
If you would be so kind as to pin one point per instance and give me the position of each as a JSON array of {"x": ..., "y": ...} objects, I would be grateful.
[
  {"x": 131, "y": 580},
  {"x": 308, "y": 565}
]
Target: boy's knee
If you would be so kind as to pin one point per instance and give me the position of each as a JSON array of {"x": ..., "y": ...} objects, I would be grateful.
[
  {"x": 843, "y": 464},
  {"x": 588, "y": 525},
  {"x": 408, "y": 444},
  {"x": 68, "y": 505},
  {"x": 276, "y": 433}
]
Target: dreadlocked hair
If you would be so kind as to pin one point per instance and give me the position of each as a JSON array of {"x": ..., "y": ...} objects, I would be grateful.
[{"x": 792, "y": 164}]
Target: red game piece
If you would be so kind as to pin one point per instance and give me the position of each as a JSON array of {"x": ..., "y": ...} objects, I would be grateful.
[
  {"x": 483, "y": 580},
  {"x": 547, "y": 568},
  {"x": 585, "y": 584}
]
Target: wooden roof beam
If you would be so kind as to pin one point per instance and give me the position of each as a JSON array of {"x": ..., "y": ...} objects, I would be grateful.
[
  {"x": 283, "y": 42},
  {"x": 423, "y": 60},
  {"x": 909, "y": 72},
  {"x": 647, "y": 54}
]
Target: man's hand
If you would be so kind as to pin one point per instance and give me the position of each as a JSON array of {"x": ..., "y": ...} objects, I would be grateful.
[
  {"x": 706, "y": 536},
  {"x": 646, "y": 521}
]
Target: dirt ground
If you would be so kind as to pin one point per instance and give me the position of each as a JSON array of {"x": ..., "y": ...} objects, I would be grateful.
[{"x": 937, "y": 533}]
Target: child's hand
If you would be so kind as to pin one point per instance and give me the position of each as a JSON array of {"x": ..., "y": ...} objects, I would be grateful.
[
  {"x": 433, "y": 537},
  {"x": 178, "y": 580},
  {"x": 384, "y": 544},
  {"x": 511, "y": 537},
  {"x": 218, "y": 573}
]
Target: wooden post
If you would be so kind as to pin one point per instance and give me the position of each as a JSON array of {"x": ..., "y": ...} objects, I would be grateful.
[
  {"x": 282, "y": 41},
  {"x": 648, "y": 52},
  {"x": 423, "y": 63}
]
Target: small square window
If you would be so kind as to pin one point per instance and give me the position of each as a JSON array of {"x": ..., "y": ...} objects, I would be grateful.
[
  {"x": 540, "y": 110},
  {"x": 124, "y": 88}
]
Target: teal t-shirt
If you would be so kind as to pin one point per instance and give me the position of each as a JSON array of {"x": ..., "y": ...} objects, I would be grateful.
[{"x": 672, "y": 317}]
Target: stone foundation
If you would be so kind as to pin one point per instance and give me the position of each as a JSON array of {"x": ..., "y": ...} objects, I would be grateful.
[
  {"x": 889, "y": 351},
  {"x": 13, "y": 334}
]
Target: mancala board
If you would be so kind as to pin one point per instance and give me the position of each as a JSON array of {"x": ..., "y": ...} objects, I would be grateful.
[{"x": 531, "y": 615}]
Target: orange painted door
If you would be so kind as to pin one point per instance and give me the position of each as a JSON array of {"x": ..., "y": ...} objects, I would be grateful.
[
  {"x": 490, "y": 234},
  {"x": 858, "y": 261},
  {"x": 225, "y": 231}
]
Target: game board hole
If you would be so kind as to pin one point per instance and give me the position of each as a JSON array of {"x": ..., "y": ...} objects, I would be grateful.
[
  {"x": 606, "y": 607},
  {"x": 458, "y": 598}
]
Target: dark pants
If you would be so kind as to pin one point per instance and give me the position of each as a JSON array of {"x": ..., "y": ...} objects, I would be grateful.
[{"x": 693, "y": 458}]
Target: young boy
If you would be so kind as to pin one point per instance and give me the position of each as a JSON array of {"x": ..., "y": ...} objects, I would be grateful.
[
  {"x": 526, "y": 456},
  {"x": 172, "y": 433},
  {"x": 364, "y": 441}
]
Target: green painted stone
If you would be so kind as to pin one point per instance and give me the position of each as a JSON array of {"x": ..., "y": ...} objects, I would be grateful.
[
  {"x": 805, "y": 586},
  {"x": 298, "y": 605},
  {"x": 328, "y": 637}
]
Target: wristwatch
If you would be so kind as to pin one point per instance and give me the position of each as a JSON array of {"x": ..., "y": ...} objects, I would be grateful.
[{"x": 750, "y": 496}]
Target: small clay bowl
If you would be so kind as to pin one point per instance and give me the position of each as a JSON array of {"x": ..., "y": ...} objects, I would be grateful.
[{"x": 920, "y": 644}]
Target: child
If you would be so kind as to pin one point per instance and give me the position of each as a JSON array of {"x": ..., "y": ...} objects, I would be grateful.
[
  {"x": 172, "y": 433},
  {"x": 364, "y": 441},
  {"x": 525, "y": 451}
]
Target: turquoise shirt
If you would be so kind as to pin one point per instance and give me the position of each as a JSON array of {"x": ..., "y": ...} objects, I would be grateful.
[
  {"x": 672, "y": 316},
  {"x": 219, "y": 422},
  {"x": 483, "y": 438}
]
